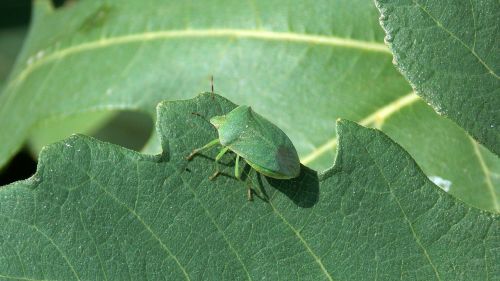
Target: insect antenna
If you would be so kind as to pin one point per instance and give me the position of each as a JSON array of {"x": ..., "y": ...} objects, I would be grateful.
[
  {"x": 212, "y": 86},
  {"x": 203, "y": 117}
]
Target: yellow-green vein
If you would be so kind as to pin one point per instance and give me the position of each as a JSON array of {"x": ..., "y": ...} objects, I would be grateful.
[
  {"x": 377, "y": 118},
  {"x": 219, "y": 230},
  {"x": 186, "y": 275},
  {"x": 95, "y": 247},
  {"x": 50, "y": 240},
  {"x": 22, "y": 278},
  {"x": 405, "y": 216},
  {"x": 487, "y": 174},
  {"x": 139, "y": 219},
  {"x": 440, "y": 25},
  {"x": 201, "y": 33},
  {"x": 297, "y": 234}
]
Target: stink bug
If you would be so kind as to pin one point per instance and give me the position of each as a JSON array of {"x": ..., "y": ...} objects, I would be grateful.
[{"x": 264, "y": 146}]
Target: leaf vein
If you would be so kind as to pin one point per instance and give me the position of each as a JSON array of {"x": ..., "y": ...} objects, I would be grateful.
[
  {"x": 131, "y": 211},
  {"x": 303, "y": 241},
  {"x": 378, "y": 117},
  {"x": 147, "y": 228},
  {"x": 63, "y": 255},
  {"x": 95, "y": 246},
  {"x": 405, "y": 216},
  {"x": 202, "y": 33},
  {"x": 440, "y": 25},
  {"x": 219, "y": 230},
  {"x": 22, "y": 278},
  {"x": 487, "y": 174}
]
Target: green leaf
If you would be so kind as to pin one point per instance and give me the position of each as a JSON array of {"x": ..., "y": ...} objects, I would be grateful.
[
  {"x": 10, "y": 43},
  {"x": 167, "y": 52},
  {"x": 301, "y": 65},
  {"x": 129, "y": 129},
  {"x": 124, "y": 215},
  {"x": 450, "y": 53}
]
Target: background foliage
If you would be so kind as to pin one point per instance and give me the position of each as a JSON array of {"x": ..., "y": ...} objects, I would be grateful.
[
  {"x": 300, "y": 67},
  {"x": 101, "y": 68},
  {"x": 124, "y": 215}
]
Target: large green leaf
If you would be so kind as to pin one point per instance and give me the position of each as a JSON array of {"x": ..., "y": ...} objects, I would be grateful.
[
  {"x": 302, "y": 65},
  {"x": 122, "y": 215},
  {"x": 10, "y": 43},
  {"x": 450, "y": 52}
]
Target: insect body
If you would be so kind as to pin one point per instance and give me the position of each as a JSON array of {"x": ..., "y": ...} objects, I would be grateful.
[{"x": 264, "y": 146}]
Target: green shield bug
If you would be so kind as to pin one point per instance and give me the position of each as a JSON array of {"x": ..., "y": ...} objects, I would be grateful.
[{"x": 264, "y": 146}]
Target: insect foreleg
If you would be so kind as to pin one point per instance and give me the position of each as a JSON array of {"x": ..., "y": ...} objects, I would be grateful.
[
  {"x": 217, "y": 158},
  {"x": 205, "y": 147}
]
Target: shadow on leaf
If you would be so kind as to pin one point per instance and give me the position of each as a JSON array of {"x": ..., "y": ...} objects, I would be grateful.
[{"x": 303, "y": 190}]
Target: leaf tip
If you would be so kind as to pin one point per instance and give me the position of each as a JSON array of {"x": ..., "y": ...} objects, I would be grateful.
[
  {"x": 343, "y": 125},
  {"x": 41, "y": 8}
]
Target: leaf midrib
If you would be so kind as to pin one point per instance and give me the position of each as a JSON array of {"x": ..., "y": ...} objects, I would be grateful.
[
  {"x": 200, "y": 33},
  {"x": 487, "y": 174}
]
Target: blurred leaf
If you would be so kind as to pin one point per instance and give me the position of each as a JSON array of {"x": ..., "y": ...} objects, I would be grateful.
[
  {"x": 10, "y": 44},
  {"x": 52, "y": 130},
  {"x": 453, "y": 160},
  {"x": 129, "y": 129},
  {"x": 450, "y": 52},
  {"x": 123, "y": 215},
  {"x": 300, "y": 64}
]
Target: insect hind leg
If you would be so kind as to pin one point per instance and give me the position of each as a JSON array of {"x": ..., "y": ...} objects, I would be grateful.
[
  {"x": 217, "y": 159},
  {"x": 237, "y": 174},
  {"x": 250, "y": 190},
  {"x": 255, "y": 189}
]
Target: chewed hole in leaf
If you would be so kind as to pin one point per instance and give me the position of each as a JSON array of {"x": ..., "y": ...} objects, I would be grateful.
[
  {"x": 60, "y": 3},
  {"x": 124, "y": 128},
  {"x": 22, "y": 166},
  {"x": 130, "y": 129}
]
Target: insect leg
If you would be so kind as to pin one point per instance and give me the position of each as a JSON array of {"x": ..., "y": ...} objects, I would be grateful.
[
  {"x": 249, "y": 194},
  {"x": 249, "y": 186},
  {"x": 212, "y": 85},
  {"x": 237, "y": 171},
  {"x": 217, "y": 158},
  {"x": 205, "y": 147}
]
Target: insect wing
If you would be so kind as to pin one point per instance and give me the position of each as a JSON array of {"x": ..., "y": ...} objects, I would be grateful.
[{"x": 263, "y": 145}]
